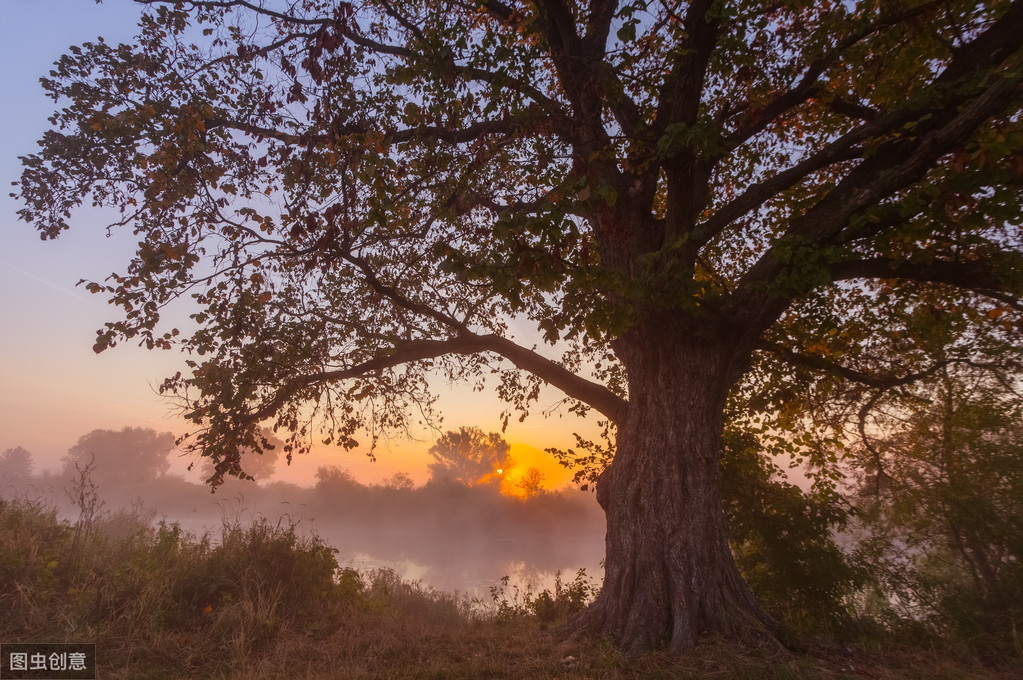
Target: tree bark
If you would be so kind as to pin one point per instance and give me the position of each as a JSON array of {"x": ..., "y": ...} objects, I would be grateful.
[{"x": 669, "y": 573}]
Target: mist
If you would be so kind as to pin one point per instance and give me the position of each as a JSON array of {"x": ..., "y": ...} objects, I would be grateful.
[{"x": 449, "y": 533}]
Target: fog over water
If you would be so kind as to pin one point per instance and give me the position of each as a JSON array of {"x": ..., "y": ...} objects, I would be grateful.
[{"x": 451, "y": 536}]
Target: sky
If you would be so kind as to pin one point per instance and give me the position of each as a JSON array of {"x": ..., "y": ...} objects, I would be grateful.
[{"x": 53, "y": 388}]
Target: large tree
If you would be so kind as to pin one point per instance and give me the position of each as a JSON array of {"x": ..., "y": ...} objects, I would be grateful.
[{"x": 360, "y": 197}]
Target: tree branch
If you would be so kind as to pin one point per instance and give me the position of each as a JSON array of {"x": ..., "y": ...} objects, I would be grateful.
[
  {"x": 576, "y": 387},
  {"x": 979, "y": 277},
  {"x": 755, "y": 121},
  {"x": 602, "y": 12},
  {"x": 467, "y": 342},
  {"x": 583, "y": 74},
  {"x": 898, "y": 164},
  {"x": 495, "y": 8},
  {"x": 680, "y": 94},
  {"x": 843, "y": 149},
  {"x": 457, "y": 136},
  {"x": 817, "y": 362},
  {"x": 596, "y": 395},
  {"x": 253, "y": 7},
  {"x": 940, "y": 126},
  {"x": 472, "y": 73}
]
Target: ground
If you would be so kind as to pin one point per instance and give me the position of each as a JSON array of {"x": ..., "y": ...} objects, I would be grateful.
[{"x": 263, "y": 602}]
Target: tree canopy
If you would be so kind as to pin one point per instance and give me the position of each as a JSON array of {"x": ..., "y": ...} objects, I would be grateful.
[
  {"x": 679, "y": 198},
  {"x": 16, "y": 468},
  {"x": 469, "y": 456},
  {"x": 133, "y": 455}
]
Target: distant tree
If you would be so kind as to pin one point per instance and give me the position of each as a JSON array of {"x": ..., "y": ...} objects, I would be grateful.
[
  {"x": 400, "y": 481},
  {"x": 335, "y": 477},
  {"x": 16, "y": 469},
  {"x": 941, "y": 498},
  {"x": 532, "y": 483},
  {"x": 469, "y": 457},
  {"x": 130, "y": 456}
]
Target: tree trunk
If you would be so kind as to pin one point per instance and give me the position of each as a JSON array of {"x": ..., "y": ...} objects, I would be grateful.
[{"x": 669, "y": 573}]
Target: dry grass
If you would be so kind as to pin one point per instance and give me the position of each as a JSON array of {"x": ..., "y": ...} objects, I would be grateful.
[{"x": 261, "y": 602}]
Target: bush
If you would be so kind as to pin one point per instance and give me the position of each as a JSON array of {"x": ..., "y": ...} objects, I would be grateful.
[
  {"x": 548, "y": 606},
  {"x": 155, "y": 593},
  {"x": 782, "y": 540},
  {"x": 252, "y": 562}
]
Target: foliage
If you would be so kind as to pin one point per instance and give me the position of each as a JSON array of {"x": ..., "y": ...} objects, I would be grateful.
[
  {"x": 469, "y": 457},
  {"x": 261, "y": 559},
  {"x": 134, "y": 455},
  {"x": 592, "y": 460},
  {"x": 160, "y": 592},
  {"x": 941, "y": 499},
  {"x": 15, "y": 468},
  {"x": 251, "y": 464},
  {"x": 357, "y": 196},
  {"x": 25, "y": 525},
  {"x": 549, "y": 606},
  {"x": 783, "y": 540}
]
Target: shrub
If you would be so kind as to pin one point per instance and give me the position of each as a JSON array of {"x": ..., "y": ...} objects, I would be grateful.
[{"x": 251, "y": 562}]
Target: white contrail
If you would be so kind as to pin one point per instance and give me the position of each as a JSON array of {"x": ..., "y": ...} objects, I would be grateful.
[{"x": 51, "y": 284}]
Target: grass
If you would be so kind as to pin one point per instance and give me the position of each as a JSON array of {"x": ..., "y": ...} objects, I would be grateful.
[{"x": 263, "y": 602}]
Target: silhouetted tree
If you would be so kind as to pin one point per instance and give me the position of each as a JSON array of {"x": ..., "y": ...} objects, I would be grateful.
[
  {"x": 16, "y": 468},
  {"x": 400, "y": 481},
  {"x": 469, "y": 457},
  {"x": 335, "y": 477},
  {"x": 133, "y": 455},
  {"x": 531, "y": 483}
]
